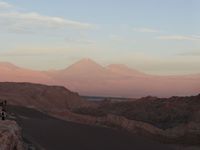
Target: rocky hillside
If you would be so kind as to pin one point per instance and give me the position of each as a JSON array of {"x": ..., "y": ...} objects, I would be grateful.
[
  {"x": 45, "y": 98},
  {"x": 10, "y": 136},
  {"x": 161, "y": 112},
  {"x": 170, "y": 119},
  {"x": 175, "y": 119}
]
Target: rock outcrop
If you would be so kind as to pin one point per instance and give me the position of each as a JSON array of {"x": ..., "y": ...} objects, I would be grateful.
[{"x": 10, "y": 136}]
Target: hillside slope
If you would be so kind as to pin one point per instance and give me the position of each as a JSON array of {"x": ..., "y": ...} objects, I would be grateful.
[{"x": 43, "y": 97}]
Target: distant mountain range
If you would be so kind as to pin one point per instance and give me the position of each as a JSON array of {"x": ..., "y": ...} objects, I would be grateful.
[{"x": 89, "y": 78}]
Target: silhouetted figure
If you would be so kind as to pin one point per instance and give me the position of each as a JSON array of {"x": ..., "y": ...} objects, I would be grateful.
[
  {"x": 3, "y": 115},
  {"x": 3, "y": 105}
]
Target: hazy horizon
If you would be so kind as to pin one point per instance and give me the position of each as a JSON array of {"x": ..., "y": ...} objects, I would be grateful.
[
  {"x": 93, "y": 61},
  {"x": 155, "y": 37}
]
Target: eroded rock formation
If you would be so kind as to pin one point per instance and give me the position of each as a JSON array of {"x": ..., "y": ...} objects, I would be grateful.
[{"x": 10, "y": 136}]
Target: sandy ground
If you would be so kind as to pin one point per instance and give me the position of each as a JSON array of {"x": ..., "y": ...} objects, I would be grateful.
[{"x": 54, "y": 134}]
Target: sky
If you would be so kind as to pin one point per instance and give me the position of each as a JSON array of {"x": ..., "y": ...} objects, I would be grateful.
[{"x": 154, "y": 36}]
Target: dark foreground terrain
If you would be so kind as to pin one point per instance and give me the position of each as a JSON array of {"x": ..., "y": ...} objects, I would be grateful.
[{"x": 50, "y": 133}]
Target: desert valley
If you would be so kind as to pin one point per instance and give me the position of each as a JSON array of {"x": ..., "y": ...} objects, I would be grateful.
[
  {"x": 47, "y": 113},
  {"x": 99, "y": 75}
]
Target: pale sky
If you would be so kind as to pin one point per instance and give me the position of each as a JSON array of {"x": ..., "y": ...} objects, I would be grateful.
[{"x": 154, "y": 36}]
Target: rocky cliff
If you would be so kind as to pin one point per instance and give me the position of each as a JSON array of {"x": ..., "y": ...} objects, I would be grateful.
[{"x": 10, "y": 136}]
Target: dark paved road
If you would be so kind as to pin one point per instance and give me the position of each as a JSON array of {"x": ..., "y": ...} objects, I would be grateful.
[{"x": 55, "y": 134}]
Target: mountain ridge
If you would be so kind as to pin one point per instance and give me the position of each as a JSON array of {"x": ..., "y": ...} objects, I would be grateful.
[{"x": 89, "y": 78}]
